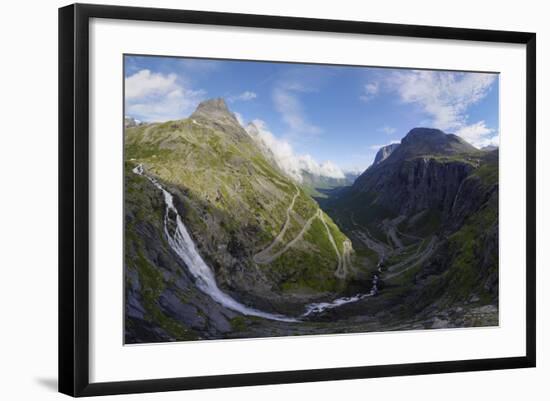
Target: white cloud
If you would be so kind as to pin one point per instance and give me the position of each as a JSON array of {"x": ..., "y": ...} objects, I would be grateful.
[
  {"x": 144, "y": 83},
  {"x": 479, "y": 134},
  {"x": 287, "y": 160},
  {"x": 444, "y": 96},
  {"x": 245, "y": 96},
  {"x": 290, "y": 107},
  {"x": 157, "y": 97},
  {"x": 387, "y": 130},
  {"x": 370, "y": 90}
]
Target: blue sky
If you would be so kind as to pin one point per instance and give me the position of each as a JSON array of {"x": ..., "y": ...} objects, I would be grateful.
[{"x": 326, "y": 113}]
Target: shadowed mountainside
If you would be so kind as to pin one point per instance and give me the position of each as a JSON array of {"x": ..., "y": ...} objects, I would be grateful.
[{"x": 430, "y": 211}]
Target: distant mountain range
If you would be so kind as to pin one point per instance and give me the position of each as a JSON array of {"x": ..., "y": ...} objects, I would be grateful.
[
  {"x": 130, "y": 122},
  {"x": 304, "y": 170}
]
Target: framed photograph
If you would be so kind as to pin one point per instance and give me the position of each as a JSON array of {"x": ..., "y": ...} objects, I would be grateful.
[{"x": 250, "y": 199}]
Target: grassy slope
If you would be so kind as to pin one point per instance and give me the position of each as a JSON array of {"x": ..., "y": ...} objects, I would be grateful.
[{"x": 232, "y": 193}]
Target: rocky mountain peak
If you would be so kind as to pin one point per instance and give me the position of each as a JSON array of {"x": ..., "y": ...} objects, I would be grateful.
[{"x": 214, "y": 109}]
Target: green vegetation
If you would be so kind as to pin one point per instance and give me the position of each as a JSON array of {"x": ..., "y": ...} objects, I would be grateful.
[
  {"x": 488, "y": 173},
  {"x": 236, "y": 204},
  {"x": 239, "y": 323},
  {"x": 234, "y": 201},
  {"x": 467, "y": 246},
  {"x": 472, "y": 158},
  {"x": 427, "y": 223}
]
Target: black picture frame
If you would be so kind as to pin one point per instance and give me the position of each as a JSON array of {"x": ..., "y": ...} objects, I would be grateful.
[{"x": 74, "y": 198}]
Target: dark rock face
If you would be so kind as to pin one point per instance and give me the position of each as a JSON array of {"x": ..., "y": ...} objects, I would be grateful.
[
  {"x": 415, "y": 185},
  {"x": 424, "y": 172},
  {"x": 435, "y": 185},
  {"x": 384, "y": 152}
]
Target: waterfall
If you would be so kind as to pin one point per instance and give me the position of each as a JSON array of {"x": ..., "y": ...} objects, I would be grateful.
[{"x": 182, "y": 244}]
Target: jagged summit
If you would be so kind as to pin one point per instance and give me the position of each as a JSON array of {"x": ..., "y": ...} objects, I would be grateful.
[{"x": 214, "y": 109}]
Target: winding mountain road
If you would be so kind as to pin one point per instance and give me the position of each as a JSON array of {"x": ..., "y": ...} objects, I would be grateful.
[
  {"x": 264, "y": 255},
  {"x": 412, "y": 261}
]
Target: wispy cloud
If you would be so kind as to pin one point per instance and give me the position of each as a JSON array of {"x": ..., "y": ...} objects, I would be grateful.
[
  {"x": 245, "y": 96},
  {"x": 369, "y": 92},
  {"x": 286, "y": 159},
  {"x": 288, "y": 104},
  {"x": 446, "y": 97},
  {"x": 159, "y": 97},
  {"x": 386, "y": 129}
]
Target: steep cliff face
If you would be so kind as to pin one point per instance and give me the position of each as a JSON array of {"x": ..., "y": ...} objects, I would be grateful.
[
  {"x": 424, "y": 173},
  {"x": 434, "y": 201},
  {"x": 416, "y": 184}
]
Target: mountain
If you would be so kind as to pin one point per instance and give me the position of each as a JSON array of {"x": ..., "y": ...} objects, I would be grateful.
[
  {"x": 429, "y": 211},
  {"x": 489, "y": 148},
  {"x": 320, "y": 182},
  {"x": 423, "y": 172},
  {"x": 215, "y": 112},
  {"x": 303, "y": 169},
  {"x": 384, "y": 152},
  {"x": 221, "y": 241},
  {"x": 351, "y": 176},
  {"x": 430, "y": 141},
  {"x": 265, "y": 240},
  {"x": 130, "y": 122}
]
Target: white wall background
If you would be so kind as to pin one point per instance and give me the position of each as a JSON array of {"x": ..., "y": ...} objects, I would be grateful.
[{"x": 28, "y": 200}]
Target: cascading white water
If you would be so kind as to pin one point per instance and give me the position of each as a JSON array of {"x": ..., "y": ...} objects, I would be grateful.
[
  {"x": 182, "y": 244},
  {"x": 321, "y": 306}
]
